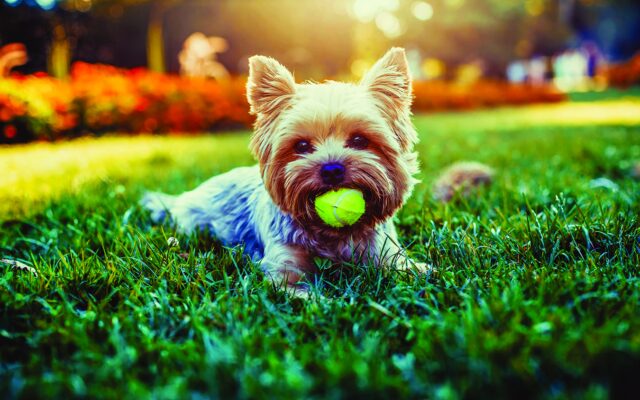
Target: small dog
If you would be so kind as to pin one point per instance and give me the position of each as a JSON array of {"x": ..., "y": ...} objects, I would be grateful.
[{"x": 311, "y": 138}]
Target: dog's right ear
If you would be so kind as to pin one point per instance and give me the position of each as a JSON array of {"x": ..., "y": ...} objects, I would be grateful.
[{"x": 270, "y": 85}]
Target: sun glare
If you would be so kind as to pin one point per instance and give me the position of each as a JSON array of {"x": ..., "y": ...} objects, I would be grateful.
[{"x": 368, "y": 10}]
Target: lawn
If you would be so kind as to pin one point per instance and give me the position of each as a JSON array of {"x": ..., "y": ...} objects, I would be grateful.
[{"x": 537, "y": 294}]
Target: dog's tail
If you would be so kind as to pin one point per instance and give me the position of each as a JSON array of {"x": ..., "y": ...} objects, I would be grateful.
[
  {"x": 159, "y": 204},
  {"x": 462, "y": 177}
]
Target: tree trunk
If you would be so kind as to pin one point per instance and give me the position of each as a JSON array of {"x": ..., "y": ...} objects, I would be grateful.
[
  {"x": 155, "y": 38},
  {"x": 60, "y": 53}
]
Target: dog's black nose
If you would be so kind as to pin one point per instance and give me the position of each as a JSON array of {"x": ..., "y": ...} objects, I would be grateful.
[{"x": 332, "y": 173}]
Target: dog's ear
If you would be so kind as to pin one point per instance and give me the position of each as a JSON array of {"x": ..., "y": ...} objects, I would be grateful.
[
  {"x": 390, "y": 84},
  {"x": 270, "y": 85},
  {"x": 389, "y": 81}
]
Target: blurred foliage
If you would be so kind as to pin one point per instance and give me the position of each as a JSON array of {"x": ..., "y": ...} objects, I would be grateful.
[
  {"x": 101, "y": 98},
  {"x": 624, "y": 75},
  {"x": 491, "y": 30}
]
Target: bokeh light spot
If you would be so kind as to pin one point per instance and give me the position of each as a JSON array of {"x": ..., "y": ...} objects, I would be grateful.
[
  {"x": 368, "y": 10},
  {"x": 46, "y": 4},
  {"x": 83, "y": 5},
  {"x": 432, "y": 68},
  {"x": 422, "y": 10},
  {"x": 534, "y": 7},
  {"x": 389, "y": 24}
]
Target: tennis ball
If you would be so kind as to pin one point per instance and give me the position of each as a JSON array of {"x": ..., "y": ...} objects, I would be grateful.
[{"x": 339, "y": 208}]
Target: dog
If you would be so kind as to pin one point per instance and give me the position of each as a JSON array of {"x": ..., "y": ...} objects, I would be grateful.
[{"x": 311, "y": 138}]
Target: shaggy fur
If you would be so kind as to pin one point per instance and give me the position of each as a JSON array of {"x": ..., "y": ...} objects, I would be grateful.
[{"x": 270, "y": 207}]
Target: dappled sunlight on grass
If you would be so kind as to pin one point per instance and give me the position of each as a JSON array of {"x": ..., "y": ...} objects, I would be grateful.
[
  {"x": 613, "y": 112},
  {"x": 37, "y": 173}
]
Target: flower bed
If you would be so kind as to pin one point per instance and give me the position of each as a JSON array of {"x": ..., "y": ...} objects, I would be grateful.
[
  {"x": 35, "y": 107},
  {"x": 100, "y": 98},
  {"x": 134, "y": 101},
  {"x": 441, "y": 95},
  {"x": 625, "y": 74}
]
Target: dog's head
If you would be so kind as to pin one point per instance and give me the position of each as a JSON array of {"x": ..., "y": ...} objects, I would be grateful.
[{"x": 310, "y": 138}]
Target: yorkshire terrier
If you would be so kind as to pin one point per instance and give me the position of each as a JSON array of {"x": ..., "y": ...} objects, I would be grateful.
[{"x": 311, "y": 138}]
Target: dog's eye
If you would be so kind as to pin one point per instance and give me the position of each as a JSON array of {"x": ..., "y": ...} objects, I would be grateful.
[
  {"x": 303, "y": 147},
  {"x": 358, "y": 142}
]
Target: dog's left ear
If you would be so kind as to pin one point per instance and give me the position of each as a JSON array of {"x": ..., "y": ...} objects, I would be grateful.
[
  {"x": 390, "y": 84},
  {"x": 389, "y": 81},
  {"x": 270, "y": 85}
]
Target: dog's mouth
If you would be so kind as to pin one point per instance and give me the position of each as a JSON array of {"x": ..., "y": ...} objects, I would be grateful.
[{"x": 365, "y": 219}]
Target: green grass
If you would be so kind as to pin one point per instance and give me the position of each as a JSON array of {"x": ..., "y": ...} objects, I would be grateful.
[
  {"x": 538, "y": 291},
  {"x": 608, "y": 94}
]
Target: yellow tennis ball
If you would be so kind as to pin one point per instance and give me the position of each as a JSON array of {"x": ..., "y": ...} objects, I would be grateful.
[{"x": 339, "y": 208}]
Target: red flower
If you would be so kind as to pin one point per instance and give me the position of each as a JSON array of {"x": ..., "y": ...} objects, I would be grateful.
[{"x": 10, "y": 131}]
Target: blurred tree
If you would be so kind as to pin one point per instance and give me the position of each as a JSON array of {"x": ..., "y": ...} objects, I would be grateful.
[
  {"x": 318, "y": 37},
  {"x": 60, "y": 51},
  {"x": 155, "y": 36},
  {"x": 495, "y": 31},
  {"x": 611, "y": 24}
]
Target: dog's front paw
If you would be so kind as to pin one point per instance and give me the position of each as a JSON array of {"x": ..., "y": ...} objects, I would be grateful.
[
  {"x": 425, "y": 268},
  {"x": 158, "y": 204},
  {"x": 418, "y": 267},
  {"x": 299, "y": 290}
]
